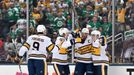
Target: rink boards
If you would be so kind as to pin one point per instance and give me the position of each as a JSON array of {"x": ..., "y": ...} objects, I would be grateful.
[{"x": 14, "y": 69}]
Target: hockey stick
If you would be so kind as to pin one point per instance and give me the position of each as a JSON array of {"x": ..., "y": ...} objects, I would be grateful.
[
  {"x": 20, "y": 65},
  {"x": 20, "y": 69},
  {"x": 20, "y": 61}
]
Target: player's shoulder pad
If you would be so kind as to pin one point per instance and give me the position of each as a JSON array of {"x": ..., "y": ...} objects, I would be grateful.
[
  {"x": 46, "y": 37},
  {"x": 60, "y": 38}
]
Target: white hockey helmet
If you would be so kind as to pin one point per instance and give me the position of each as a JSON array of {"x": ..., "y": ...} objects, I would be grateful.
[
  {"x": 41, "y": 28},
  {"x": 96, "y": 32},
  {"x": 63, "y": 31},
  {"x": 85, "y": 30}
]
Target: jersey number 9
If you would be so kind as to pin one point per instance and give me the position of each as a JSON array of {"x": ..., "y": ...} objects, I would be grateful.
[{"x": 36, "y": 45}]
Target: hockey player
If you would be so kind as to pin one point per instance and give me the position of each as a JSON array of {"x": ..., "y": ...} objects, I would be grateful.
[
  {"x": 60, "y": 53},
  {"x": 83, "y": 54},
  {"x": 37, "y": 47},
  {"x": 99, "y": 55}
]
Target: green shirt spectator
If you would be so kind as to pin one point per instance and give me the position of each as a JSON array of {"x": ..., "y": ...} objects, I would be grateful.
[
  {"x": 12, "y": 33},
  {"x": 33, "y": 23},
  {"x": 13, "y": 13},
  {"x": 69, "y": 22},
  {"x": 88, "y": 11},
  {"x": 106, "y": 27},
  {"x": 95, "y": 24},
  {"x": 59, "y": 21},
  {"x": 50, "y": 17}
]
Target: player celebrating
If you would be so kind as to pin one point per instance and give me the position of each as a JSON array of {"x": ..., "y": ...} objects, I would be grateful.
[
  {"x": 37, "y": 46},
  {"x": 83, "y": 54},
  {"x": 99, "y": 57},
  {"x": 60, "y": 58}
]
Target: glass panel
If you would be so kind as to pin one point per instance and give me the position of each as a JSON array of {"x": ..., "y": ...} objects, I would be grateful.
[
  {"x": 12, "y": 27},
  {"x": 124, "y": 27}
]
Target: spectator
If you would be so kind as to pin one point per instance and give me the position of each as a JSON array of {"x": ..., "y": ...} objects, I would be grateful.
[
  {"x": 79, "y": 8},
  {"x": 13, "y": 14},
  {"x": 62, "y": 4},
  {"x": 131, "y": 20},
  {"x": 41, "y": 3},
  {"x": 33, "y": 25},
  {"x": 53, "y": 5},
  {"x": 50, "y": 15},
  {"x": 95, "y": 24},
  {"x": 88, "y": 12},
  {"x": 59, "y": 20},
  {"x": 106, "y": 27},
  {"x": 104, "y": 12},
  {"x": 2, "y": 51},
  {"x": 69, "y": 22},
  {"x": 98, "y": 5},
  {"x": 9, "y": 47},
  {"x": 36, "y": 15},
  {"x": 12, "y": 32},
  {"x": 1, "y": 43},
  {"x": 121, "y": 15}
]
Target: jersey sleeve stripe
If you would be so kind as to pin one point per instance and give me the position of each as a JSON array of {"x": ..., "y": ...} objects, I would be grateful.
[
  {"x": 96, "y": 51},
  {"x": 26, "y": 45},
  {"x": 62, "y": 50},
  {"x": 50, "y": 47},
  {"x": 84, "y": 49}
]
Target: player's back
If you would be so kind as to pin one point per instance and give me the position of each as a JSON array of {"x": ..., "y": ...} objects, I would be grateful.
[{"x": 38, "y": 46}]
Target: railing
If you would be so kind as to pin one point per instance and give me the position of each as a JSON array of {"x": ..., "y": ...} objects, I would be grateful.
[
  {"x": 117, "y": 37},
  {"x": 129, "y": 34},
  {"x": 121, "y": 36}
]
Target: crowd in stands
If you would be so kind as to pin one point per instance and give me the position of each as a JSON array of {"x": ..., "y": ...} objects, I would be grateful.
[{"x": 54, "y": 14}]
